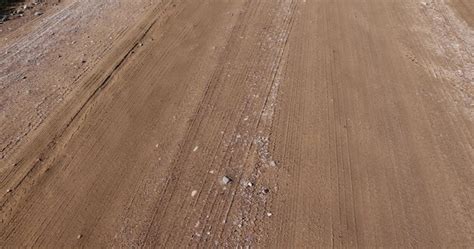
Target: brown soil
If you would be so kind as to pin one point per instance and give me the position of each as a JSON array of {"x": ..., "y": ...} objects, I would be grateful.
[{"x": 337, "y": 124}]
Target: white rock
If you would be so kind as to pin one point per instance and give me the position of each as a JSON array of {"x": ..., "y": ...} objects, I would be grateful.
[{"x": 226, "y": 180}]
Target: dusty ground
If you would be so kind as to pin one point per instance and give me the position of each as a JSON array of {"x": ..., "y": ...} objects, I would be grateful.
[
  {"x": 43, "y": 61},
  {"x": 337, "y": 124}
]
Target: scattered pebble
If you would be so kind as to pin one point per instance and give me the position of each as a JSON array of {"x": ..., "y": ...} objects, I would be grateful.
[
  {"x": 195, "y": 148},
  {"x": 272, "y": 164},
  {"x": 211, "y": 172},
  {"x": 226, "y": 180},
  {"x": 9, "y": 190},
  {"x": 193, "y": 193},
  {"x": 38, "y": 13},
  {"x": 79, "y": 236},
  {"x": 269, "y": 214}
]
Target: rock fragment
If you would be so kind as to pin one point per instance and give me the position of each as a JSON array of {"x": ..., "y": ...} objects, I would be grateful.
[{"x": 226, "y": 180}]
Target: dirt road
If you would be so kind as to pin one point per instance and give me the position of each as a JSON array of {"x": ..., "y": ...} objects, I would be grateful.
[{"x": 336, "y": 124}]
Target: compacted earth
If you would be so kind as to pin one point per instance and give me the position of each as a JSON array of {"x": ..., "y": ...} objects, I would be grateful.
[{"x": 237, "y": 123}]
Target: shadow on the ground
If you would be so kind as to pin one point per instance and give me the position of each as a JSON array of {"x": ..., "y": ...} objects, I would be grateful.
[{"x": 7, "y": 6}]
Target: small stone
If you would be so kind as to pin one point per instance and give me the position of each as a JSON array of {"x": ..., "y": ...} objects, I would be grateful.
[
  {"x": 9, "y": 190},
  {"x": 193, "y": 193},
  {"x": 269, "y": 214},
  {"x": 79, "y": 236},
  {"x": 211, "y": 172},
  {"x": 249, "y": 184},
  {"x": 3, "y": 18},
  {"x": 140, "y": 44},
  {"x": 266, "y": 191},
  {"x": 195, "y": 148},
  {"x": 226, "y": 180},
  {"x": 272, "y": 164},
  {"x": 38, "y": 13}
]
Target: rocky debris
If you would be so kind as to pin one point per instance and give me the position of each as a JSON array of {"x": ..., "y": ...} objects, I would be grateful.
[
  {"x": 38, "y": 13},
  {"x": 226, "y": 180},
  {"x": 193, "y": 193},
  {"x": 3, "y": 18},
  {"x": 246, "y": 183},
  {"x": 79, "y": 236},
  {"x": 269, "y": 214}
]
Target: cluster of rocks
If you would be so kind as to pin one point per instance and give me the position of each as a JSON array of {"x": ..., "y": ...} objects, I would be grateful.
[{"x": 20, "y": 11}]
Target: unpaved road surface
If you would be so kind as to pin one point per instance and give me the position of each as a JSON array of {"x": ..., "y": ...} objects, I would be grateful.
[{"x": 345, "y": 124}]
